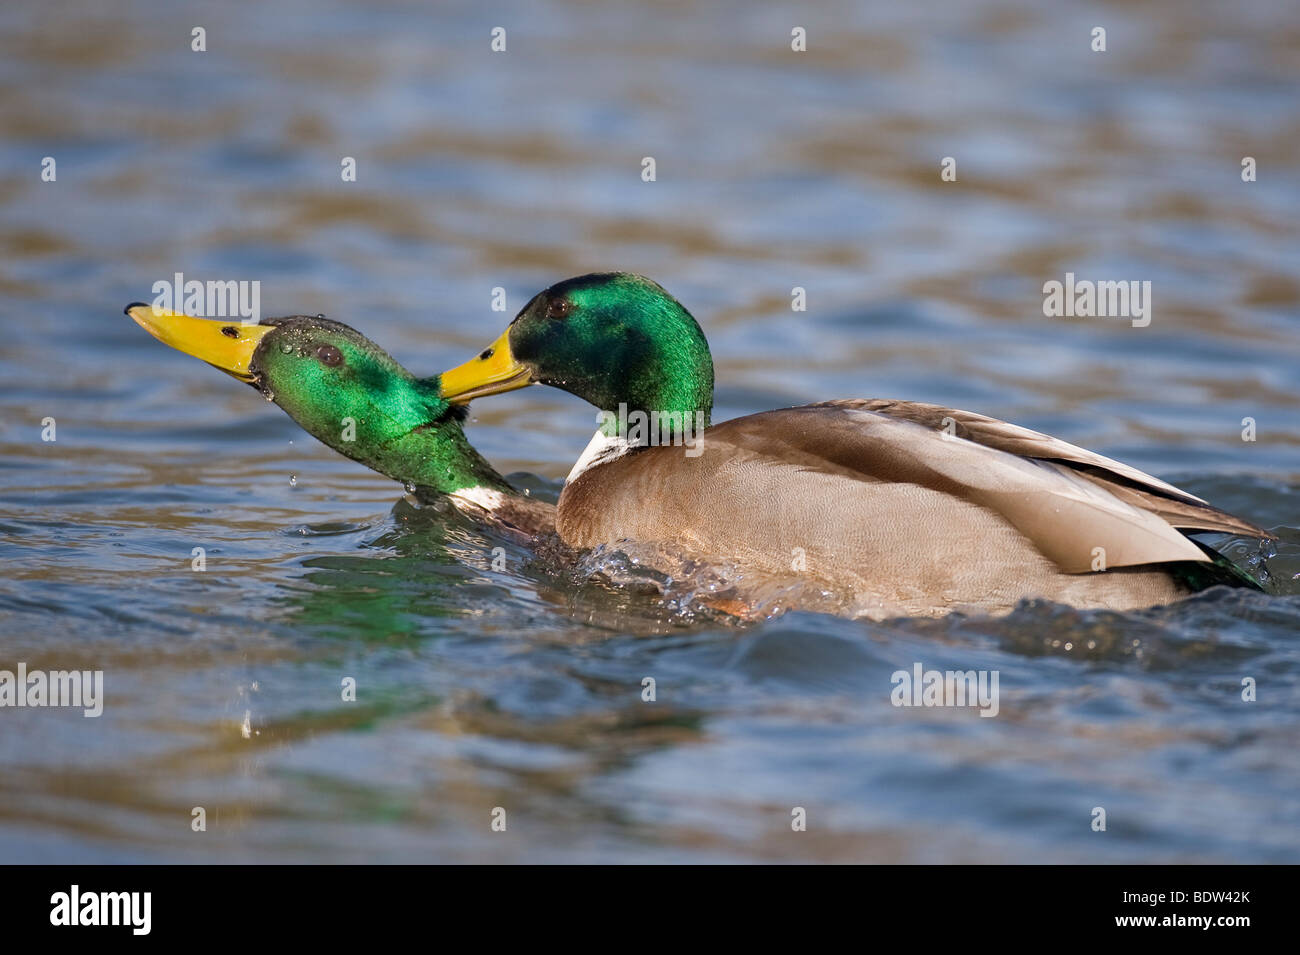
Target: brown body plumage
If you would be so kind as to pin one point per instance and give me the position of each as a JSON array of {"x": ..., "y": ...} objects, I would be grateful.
[{"x": 900, "y": 508}]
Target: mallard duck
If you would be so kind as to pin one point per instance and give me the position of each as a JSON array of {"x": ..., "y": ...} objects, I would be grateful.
[
  {"x": 896, "y": 507},
  {"x": 353, "y": 396}
]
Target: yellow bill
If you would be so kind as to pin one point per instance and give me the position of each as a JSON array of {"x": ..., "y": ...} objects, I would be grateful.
[
  {"x": 227, "y": 345},
  {"x": 491, "y": 372}
]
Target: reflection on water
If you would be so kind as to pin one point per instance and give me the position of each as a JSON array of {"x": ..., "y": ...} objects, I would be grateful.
[{"x": 522, "y": 687}]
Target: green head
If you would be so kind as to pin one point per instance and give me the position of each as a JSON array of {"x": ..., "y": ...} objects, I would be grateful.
[
  {"x": 343, "y": 389},
  {"x": 611, "y": 338}
]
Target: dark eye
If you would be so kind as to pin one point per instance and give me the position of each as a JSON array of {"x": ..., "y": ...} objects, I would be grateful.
[
  {"x": 559, "y": 308},
  {"x": 329, "y": 355}
]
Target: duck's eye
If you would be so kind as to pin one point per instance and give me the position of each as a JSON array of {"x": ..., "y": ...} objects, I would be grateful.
[
  {"x": 559, "y": 308},
  {"x": 329, "y": 355}
]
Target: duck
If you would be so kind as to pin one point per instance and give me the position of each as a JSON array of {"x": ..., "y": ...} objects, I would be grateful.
[
  {"x": 881, "y": 507},
  {"x": 354, "y": 397}
]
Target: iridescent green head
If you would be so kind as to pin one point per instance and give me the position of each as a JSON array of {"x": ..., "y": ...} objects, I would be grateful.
[
  {"x": 342, "y": 388},
  {"x": 611, "y": 338}
]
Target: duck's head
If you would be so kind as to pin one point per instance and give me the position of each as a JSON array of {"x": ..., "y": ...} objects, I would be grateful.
[
  {"x": 611, "y": 338},
  {"x": 342, "y": 388}
]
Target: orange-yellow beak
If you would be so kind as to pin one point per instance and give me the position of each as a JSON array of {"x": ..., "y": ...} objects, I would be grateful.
[
  {"x": 225, "y": 345},
  {"x": 491, "y": 372}
]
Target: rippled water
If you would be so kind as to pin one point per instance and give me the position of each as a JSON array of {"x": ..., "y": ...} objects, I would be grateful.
[{"x": 521, "y": 688}]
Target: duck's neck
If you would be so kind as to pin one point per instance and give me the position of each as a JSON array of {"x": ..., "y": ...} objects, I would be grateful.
[
  {"x": 442, "y": 463},
  {"x": 662, "y": 410},
  {"x": 439, "y": 459},
  {"x": 659, "y": 402}
]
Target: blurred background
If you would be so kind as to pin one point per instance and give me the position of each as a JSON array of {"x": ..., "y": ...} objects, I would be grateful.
[{"x": 521, "y": 689}]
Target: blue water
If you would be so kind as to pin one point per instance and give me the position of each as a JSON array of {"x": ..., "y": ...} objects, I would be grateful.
[{"x": 521, "y": 688}]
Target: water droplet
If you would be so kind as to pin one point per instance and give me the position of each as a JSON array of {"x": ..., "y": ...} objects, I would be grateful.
[
  {"x": 408, "y": 487},
  {"x": 286, "y": 348},
  {"x": 269, "y": 395},
  {"x": 320, "y": 314},
  {"x": 293, "y": 480}
]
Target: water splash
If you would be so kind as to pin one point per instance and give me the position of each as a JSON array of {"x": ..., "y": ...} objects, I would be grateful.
[{"x": 1252, "y": 556}]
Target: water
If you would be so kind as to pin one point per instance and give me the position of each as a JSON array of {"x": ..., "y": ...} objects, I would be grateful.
[{"x": 521, "y": 688}]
